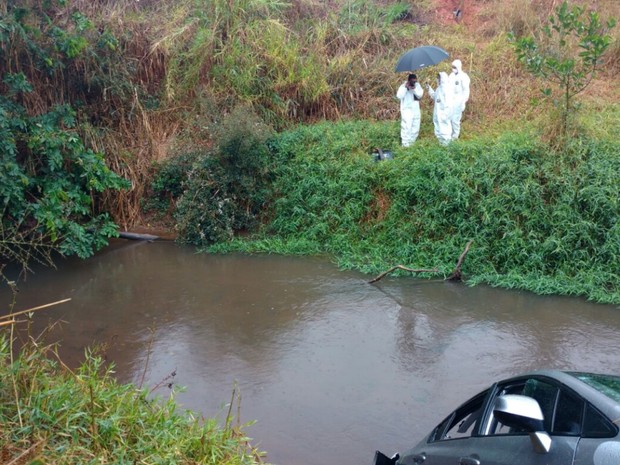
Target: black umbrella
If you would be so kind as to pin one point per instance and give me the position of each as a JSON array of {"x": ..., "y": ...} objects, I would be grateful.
[{"x": 421, "y": 57}]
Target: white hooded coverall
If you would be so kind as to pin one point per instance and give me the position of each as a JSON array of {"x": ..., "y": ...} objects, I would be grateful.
[
  {"x": 442, "y": 110},
  {"x": 409, "y": 112},
  {"x": 459, "y": 82}
]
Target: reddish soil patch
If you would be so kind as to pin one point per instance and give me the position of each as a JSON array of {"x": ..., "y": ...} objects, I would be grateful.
[{"x": 457, "y": 12}]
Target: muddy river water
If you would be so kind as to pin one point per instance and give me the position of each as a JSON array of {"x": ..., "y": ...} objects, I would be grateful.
[{"x": 330, "y": 367}]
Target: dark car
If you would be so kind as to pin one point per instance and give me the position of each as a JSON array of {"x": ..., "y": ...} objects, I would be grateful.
[{"x": 545, "y": 417}]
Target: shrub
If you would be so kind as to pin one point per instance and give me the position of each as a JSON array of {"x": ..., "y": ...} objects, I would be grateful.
[
  {"x": 227, "y": 187},
  {"x": 568, "y": 55},
  {"x": 49, "y": 180},
  {"x": 168, "y": 181}
]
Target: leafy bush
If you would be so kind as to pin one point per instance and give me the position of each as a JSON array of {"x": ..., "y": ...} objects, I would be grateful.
[
  {"x": 168, "y": 180},
  {"x": 49, "y": 180},
  {"x": 568, "y": 55},
  {"x": 227, "y": 188}
]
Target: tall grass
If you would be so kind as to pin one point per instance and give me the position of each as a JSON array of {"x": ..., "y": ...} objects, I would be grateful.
[
  {"x": 539, "y": 220},
  {"x": 53, "y": 415}
]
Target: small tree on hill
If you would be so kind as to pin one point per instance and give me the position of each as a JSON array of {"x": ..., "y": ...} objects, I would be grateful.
[{"x": 567, "y": 55}]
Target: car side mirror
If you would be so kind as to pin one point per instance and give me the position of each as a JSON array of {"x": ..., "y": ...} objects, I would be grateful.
[{"x": 523, "y": 413}]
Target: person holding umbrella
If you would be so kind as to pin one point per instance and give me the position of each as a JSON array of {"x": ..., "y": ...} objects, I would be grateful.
[
  {"x": 409, "y": 93},
  {"x": 443, "y": 109}
]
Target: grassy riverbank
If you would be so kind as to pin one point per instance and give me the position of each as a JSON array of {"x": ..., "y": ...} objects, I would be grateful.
[
  {"x": 52, "y": 415},
  {"x": 541, "y": 220}
]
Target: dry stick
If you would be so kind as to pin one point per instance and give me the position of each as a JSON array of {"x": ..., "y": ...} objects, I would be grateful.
[
  {"x": 25, "y": 453},
  {"x": 4, "y": 323},
  {"x": 456, "y": 274},
  {"x": 148, "y": 356},
  {"x": 232, "y": 401},
  {"x": 11, "y": 315},
  {"x": 401, "y": 267}
]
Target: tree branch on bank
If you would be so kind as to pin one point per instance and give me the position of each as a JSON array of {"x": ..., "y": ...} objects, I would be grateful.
[{"x": 455, "y": 276}]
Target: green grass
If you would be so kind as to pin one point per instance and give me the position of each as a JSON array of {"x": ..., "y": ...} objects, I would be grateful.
[
  {"x": 539, "y": 219},
  {"x": 52, "y": 415}
]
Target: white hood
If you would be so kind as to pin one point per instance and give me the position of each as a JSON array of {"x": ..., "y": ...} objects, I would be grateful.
[{"x": 458, "y": 65}]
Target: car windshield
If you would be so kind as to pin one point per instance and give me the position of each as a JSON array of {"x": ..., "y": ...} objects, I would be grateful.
[{"x": 607, "y": 384}]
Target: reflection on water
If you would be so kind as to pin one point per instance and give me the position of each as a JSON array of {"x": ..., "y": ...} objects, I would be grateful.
[{"x": 331, "y": 367}]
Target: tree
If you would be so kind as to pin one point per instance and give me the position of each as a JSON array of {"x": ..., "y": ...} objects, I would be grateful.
[
  {"x": 48, "y": 182},
  {"x": 566, "y": 54},
  {"x": 51, "y": 181}
]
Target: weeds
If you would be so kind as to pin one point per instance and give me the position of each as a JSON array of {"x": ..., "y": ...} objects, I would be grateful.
[
  {"x": 540, "y": 220},
  {"x": 52, "y": 414}
]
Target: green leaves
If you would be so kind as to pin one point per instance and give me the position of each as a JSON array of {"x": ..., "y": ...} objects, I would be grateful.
[
  {"x": 85, "y": 416},
  {"x": 49, "y": 180},
  {"x": 17, "y": 83},
  {"x": 566, "y": 53},
  {"x": 226, "y": 189}
]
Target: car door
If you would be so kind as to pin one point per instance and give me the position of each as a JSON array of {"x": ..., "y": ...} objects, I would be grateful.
[
  {"x": 599, "y": 444},
  {"x": 497, "y": 444},
  {"x": 450, "y": 439}
]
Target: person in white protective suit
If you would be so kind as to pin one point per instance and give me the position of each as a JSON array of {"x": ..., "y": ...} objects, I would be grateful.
[
  {"x": 459, "y": 82},
  {"x": 442, "y": 110},
  {"x": 409, "y": 93}
]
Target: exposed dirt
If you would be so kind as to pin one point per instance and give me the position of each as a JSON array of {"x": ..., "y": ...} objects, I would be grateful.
[{"x": 457, "y": 12}]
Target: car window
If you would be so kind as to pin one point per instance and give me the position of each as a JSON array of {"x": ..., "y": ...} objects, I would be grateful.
[
  {"x": 568, "y": 414},
  {"x": 461, "y": 423},
  {"x": 544, "y": 393},
  {"x": 563, "y": 410},
  {"x": 596, "y": 425},
  {"x": 546, "y": 396},
  {"x": 493, "y": 425}
]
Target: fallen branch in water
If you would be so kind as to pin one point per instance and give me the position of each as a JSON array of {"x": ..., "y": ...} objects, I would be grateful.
[
  {"x": 401, "y": 267},
  {"x": 455, "y": 276}
]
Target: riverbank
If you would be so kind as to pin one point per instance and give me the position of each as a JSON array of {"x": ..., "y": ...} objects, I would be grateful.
[{"x": 540, "y": 219}]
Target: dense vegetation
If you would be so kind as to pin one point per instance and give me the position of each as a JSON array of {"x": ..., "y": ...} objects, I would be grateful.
[
  {"x": 110, "y": 114},
  {"x": 53, "y": 415},
  {"x": 539, "y": 220}
]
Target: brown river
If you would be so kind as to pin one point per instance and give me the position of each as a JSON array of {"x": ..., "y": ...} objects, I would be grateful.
[{"x": 330, "y": 367}]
